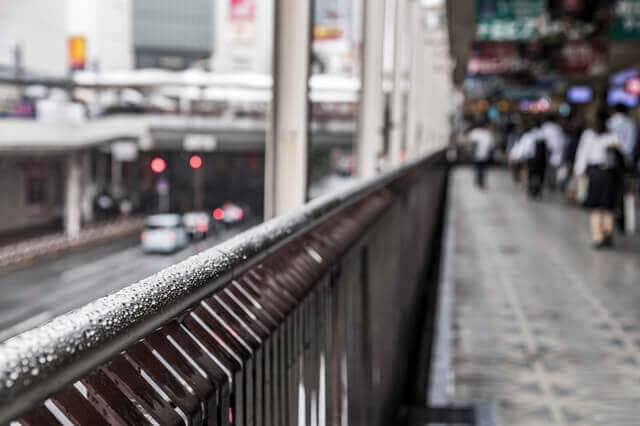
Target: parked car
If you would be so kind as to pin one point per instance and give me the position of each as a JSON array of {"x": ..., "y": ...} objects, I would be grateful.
[
  {"x": 197, "y": 224},
  {"x": 164, "y": 233},
  {"x": 230, "y": 214}
]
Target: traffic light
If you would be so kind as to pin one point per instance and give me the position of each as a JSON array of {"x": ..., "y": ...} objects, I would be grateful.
[
  {"x": 195, "y": 162},
  {"x": 158, "y": 165}
]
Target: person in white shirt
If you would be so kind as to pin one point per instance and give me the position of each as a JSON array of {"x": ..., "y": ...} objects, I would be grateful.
[
  {"x": 522, "y": 150},
  {"x": 483, "y": 141},
  {"x": 556, "y": 143},
  {"x": 531, "y": 151},
  {"x": 600, "y": 160},
  {"x": 625, "y": 129}
]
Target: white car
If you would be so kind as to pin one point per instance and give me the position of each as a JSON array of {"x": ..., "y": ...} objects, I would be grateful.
[
  {"x": 197, "y": 224},
  {"x": 164, "y": 233},
  {"x": 229, "y": 214}
]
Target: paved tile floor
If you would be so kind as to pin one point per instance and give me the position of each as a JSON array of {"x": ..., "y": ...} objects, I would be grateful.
[{"x": 545, "y": 326}]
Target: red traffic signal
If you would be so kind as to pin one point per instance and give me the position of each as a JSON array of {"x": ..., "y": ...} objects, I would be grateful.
[
  {"x": 158, "y": 165},
  {"x": 195, "y": 162}
]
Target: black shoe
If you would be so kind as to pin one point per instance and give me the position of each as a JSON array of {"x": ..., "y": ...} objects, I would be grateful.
[
  {"x": 608, "y": 241},
  {"x": 598, "y": 245}
]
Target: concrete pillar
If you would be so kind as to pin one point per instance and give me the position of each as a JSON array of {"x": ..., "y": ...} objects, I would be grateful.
[
  {"x": 371, "y": 120},
  {"x": 416, "y": 87},
  {"x": 288, "y": 136},
  {"x": 399, "y": 95},
  {"x": 89, "y": 190},
  {"x": 116, "y": 176},
  {"x": 72, "y": 198}
]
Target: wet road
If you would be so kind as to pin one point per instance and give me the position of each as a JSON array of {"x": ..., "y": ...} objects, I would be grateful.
[{"x": 32, "y": 296}]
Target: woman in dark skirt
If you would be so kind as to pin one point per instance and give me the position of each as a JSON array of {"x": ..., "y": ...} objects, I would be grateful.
[{"x": 600, "y": 159}]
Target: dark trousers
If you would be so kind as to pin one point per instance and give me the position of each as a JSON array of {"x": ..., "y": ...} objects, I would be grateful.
[{"x": 480, "y": 171}]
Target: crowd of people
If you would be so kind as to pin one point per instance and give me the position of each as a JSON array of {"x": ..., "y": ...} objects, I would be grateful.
[{"x": 594, "y": 161}]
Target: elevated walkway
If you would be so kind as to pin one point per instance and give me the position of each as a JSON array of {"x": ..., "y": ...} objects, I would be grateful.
[{"x": 543, "y": 325}]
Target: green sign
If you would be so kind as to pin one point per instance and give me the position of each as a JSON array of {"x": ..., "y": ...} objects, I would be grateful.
[
  {"x": 503, "y": 20},
  {"x": 626, "y": 20}
]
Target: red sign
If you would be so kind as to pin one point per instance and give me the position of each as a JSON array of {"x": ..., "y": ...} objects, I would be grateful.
[
  {"x": 583, "y": 57},
  {"x": 242, "y": 10},
  {"x": 494, "y": 58},
  {"x": 572, "y": 5}
]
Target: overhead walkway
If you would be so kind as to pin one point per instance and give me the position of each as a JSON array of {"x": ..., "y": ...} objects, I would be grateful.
[{"x": 544, "y": 327}]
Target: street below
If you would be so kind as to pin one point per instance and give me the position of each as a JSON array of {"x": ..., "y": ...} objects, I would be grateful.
[{"x": 30, "y": 297}]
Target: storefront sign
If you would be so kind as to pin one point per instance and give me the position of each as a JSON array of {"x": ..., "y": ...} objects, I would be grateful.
[
  {"x": 626, "y": 20},
  {"x": 242, "y": 18},
  {"x": 494, "y": 58},
  {"x": 583, "y": 57},
  {"x": 508, "y": 19},
  {"x": 242, "y": 10},
  {"x": 200, "y": 142},
  {"x": 77, "y": 52},
  {"x": 124, "y": 151}
]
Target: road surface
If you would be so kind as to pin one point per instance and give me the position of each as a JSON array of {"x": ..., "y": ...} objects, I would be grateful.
[{"x": 32, "y": 296}]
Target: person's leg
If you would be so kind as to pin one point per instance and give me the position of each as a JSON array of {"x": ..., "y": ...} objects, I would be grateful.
[
  {"x": 515, "y": 173},
  {"x": 596, "y": 226},
  {"x": 479, "y": 169},
  {"x": 551, "y": 178},
  {"x": 608, "y": 223}
]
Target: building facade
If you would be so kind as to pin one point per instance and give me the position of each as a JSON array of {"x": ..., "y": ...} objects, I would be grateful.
[
  {"x": 243, "y": 36},
  {"x": 173, "y": 34},
  {"x": 35, "y": 35}
]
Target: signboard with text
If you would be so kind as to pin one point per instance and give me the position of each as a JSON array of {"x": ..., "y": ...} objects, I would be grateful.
[
  {"x": 504, "y": 20},
  {"x": 494, "y": 58},
  {"x": 626, "y": 20},
  {"x": 77, "y": 52},
  {"x": 242, "y": 16},
  {"x": 583, "y": 57},
  {"x": 242, "y": 10}
]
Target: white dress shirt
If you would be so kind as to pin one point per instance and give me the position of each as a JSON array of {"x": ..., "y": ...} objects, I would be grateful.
[
  {"x": 624, "y": 127},
  {"x": 556, "y": 142},
  {"x": 592, "y": 150},
  {"x": 525, "y": 148},
  {"x": 484, "y": 141}
]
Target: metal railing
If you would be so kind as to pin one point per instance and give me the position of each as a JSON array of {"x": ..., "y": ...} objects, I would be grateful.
[{"x": 306, "y": 319}]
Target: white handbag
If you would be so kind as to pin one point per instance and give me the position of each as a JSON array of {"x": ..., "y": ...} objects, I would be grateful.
[{"x": 629, "y": 213}]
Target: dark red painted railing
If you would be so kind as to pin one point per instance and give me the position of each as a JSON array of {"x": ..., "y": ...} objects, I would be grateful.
[{"x": 306, "y": 319}]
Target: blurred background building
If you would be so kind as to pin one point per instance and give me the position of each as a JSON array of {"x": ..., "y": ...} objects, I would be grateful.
[{"x": 173, "y": 35}]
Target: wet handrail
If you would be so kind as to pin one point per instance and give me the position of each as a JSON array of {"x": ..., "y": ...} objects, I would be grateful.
[{"x": 39, "y": 362}]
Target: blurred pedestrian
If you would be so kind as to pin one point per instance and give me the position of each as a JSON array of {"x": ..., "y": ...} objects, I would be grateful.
[
  {"x": 532, "y": 152},
  {"x": 556, "y": 141},
  {"x": 600, "y": 159},
  {"x": 623, "y": 126},
  {"x": 519, "y": 153},
  {"x": 483, "y": 141}
]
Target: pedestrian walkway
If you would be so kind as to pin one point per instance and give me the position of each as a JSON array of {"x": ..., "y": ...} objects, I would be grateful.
[{"x": 544, "y": 326}]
